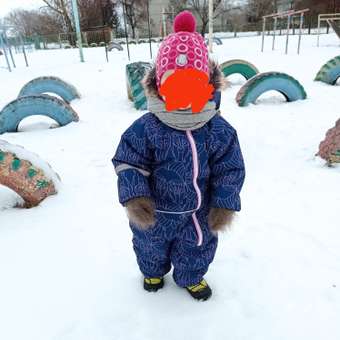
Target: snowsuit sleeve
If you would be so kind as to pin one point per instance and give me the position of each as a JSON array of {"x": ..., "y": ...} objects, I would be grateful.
[
  {"x": 132, "y": 163},
  {"x": 227, "y": 171}
]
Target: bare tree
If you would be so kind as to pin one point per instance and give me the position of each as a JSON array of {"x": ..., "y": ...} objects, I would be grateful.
[
  {"x": 201, "y": 7},
  {"x": 136, "y": 14},
  {"x": 258, "y": 8},
  {"x": 62, "y": 8},
  {"x": 28, "y": 23},
  {"x": 177, "y": 6}
]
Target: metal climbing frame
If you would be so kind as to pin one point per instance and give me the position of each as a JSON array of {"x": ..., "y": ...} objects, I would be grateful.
[
  {"x": 331, "y": 21},
  {"x": 289, "y": 15},
  {"x": 5, "y": 46}
]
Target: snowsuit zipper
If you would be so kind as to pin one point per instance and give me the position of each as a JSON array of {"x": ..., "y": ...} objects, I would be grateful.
[{"x": 197, "y": 189}]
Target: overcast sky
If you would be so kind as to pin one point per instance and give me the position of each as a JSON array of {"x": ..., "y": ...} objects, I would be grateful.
[{"x": 7, "y": 5}]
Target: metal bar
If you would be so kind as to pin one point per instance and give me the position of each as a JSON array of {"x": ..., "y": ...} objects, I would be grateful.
[
  {"x": 300, "y": 32},
  {"x": 76, "y": 20},
  {"x": 274, "y": 33},
  {"x": 329, "y": 14},
  {"x": 149, "y": 30},
  {"x": 164, "y": 23},
  {"x": 9, "y": 49},
  {"x": 126, "y": 32},
  {"x": 286, "y": 13},
  {"x": 319, "y": 23},
  {"x": 106, "y": 54},
  {"x": 287, "y": 36},
  {"x": 211, "y": 26},
  {"x": 263, "y": 30},
  {"x": 2, "y": 43},
  {"x": 277, "y": 14},
  {"x": 23, "y": 50}
]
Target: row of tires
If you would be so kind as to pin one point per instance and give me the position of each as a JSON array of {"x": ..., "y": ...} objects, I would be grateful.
[
  {"x": 20, "y": 170},
  {"x": 118, "y": 45},
  {"x": 257, "y": 83}
]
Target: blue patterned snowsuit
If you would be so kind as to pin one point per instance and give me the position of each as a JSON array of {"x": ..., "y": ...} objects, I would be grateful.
[{"x": 157, "y": 161}]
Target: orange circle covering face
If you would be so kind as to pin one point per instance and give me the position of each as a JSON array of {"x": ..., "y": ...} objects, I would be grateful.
[{"x": 186, "y": 88}]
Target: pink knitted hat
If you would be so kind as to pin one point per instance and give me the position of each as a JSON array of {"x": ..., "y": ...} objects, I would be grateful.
[{"x": 183, "y": 49}]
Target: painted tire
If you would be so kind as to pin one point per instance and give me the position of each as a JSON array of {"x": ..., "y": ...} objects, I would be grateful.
[
  {"x": 27, "y": 180},
  {"x": 50, "y": 85},
  {"x": 330, "y": 72},
  {"x": 135, "y": 72},
  {"x": 20, "y": 108},
  {"x": 246, "y": 69},
  {"x": 113, "y": 45},
  {"x": 268, "y": 81}
]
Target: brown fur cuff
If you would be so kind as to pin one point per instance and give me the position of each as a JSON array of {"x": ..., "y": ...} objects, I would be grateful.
[
  {"x": 141, "y": 212},
  {"x": 220, "y": 218}
]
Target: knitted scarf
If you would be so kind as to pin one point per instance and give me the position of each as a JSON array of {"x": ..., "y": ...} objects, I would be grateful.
[{"x": 181, "y": 119}]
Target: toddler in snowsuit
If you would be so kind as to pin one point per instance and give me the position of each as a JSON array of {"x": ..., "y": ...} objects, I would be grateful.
[{"x": 179, "y": 173}]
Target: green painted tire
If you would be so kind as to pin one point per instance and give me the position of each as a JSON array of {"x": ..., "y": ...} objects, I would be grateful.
[
  {"x": 329, "y": 72},
  {"x": 246, "y": 69},
  {"x": 288, "y": 86}
]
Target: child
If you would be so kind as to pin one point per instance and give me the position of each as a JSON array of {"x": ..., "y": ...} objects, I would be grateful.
[{"x": 179, "y": 172}]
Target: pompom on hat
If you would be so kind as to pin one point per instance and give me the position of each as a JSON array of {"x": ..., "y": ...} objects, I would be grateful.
[{"x": 185, "y": 48}]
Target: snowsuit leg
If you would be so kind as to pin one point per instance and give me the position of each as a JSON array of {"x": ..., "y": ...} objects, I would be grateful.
[
  {"x": 152, "y": 248},
  {"x": 191, "y": 262},
  {"x": 174, "y": 240}
]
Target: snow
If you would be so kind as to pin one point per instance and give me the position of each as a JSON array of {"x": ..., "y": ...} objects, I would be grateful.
[{"x": 68, "y": 271}]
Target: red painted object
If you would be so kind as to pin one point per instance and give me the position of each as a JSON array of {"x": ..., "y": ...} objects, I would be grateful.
[{"x": 329, "y": 148}]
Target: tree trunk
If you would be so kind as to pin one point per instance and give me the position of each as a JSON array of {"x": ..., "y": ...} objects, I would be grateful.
[{"x": 204, "y": 26}]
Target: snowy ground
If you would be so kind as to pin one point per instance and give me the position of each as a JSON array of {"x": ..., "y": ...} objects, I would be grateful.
[{"x": 67, "y": 267}]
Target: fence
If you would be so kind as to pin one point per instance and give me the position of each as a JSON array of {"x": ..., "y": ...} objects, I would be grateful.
[{"x": 102, "y": 37}]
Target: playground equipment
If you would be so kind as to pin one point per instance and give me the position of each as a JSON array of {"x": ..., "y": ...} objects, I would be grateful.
[
  {"x": 333, "y": 20},
  {"x": 289, "y": 15},
  {"x": 6, "y": 47},
  {"x": 263, "y": 82},
  {"x": 329, "y": 148},
  {"x": 330, "y": 72},
  {"x": 246, "y": 69},
  {"x": 216, "y": 40},
  {"x": 14, "y": 112},
  {"x": 135, "y": 72},
  {"x": 26, "y": 174},
  {"x": 112, "y": 45},
  {"x": 54, "y": 85}
]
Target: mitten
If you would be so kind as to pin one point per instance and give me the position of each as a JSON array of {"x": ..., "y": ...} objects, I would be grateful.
[
  {"x": 220, "y": 218},
  {"x": 141, "y": 212}
]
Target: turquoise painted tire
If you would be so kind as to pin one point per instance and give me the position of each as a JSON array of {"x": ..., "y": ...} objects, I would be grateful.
[
  {"x": 330, "y": 72},
  {"x": 291, "y": 89},
  {"x": 54, "y": 85},
  {"x": 14, "y": 112},
  {"x": 238, "y": 66}
]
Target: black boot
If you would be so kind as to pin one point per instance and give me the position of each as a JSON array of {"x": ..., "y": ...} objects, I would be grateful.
[
  {"x": 152, "y": 284},
  {"x": 200, "y": 291}
]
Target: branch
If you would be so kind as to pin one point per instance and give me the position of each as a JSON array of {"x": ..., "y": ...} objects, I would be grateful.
[{"x": 52, "y": 7}]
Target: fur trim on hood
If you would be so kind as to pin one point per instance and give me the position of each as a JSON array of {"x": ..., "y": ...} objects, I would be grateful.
[{"x": 216, "y": 79}]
